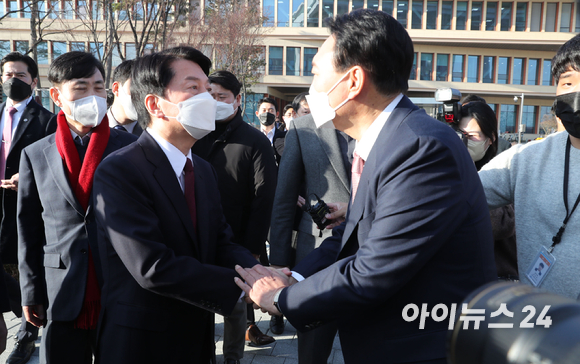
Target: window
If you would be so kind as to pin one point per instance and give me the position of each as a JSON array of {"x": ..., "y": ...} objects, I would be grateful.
[
  {"x": 402, "y": 11},
  {"x": 432, "y": 12},
  {"x": 388, "y": 6},
  {"x": 413, "y": 75},
  {"x": 566, "y": 21},
  {"x": 309, "y": 53},
  {"x": 503, "y": 70},
  {"x": 577, "y": 19},
  {"x": 507, "y": 118},
  {"x": 298, "y": 13},
  {"x": 2, "y": 13},
  {"x": 13, "y": 6},
  {"x": 341, "y": 7},
  {"x": 268, "y": 13},
  {"x": 476, "y": 11},
  {"x": 457, "y": 75},
  {"x": 42, "y": 53},
  {"x": 551, "y": 17},
  {"x": 529, "y": 118},
  {"x": 292, "y": 61},
  {"x": 77, "y": 46},
  {"x": 130, "y": 51},
  {"x": 536, "y": 21},
  {"x": 82, "y": 9},
  {"x": 473, "y": 69},
  {"x": 427, "y": 66},
  {"x": 446, "y": 14},
  {"x": 417, "y": 14},
  {"x": 22, "y": 46},
  {"x": 116, "y": 58},
  {"x": 373, "y": 4},
  {"x": 68, "y": 9},
  {"x": 547, "y": 79},
  {"x": 506, "y": 16},
  {"x": 58, "y": 49},
  {"x": 442, "y": 67},
  {"x": 312, "y": 12},
  {"x": 4, "y": 47},
  {"x": 327, "y": 9},
  {"x": 357, "y": 4},
  {"x": 96, "y": 49},
  {"x": 45, "y": 97},
  {"x": 533, "y": 68},
  {"x": 97, "y": 10},
  {"x": 26, "y": 9},
  {"x": 275, "y": 61},
  {"x": 521, "y": 14},
  {"x": 488, "y": 69},
  {"x": 491, "y": 16},
  {"x": 461, "y": 16},
  {"x": 518, "y": 73},
  {"x": 284, "y": 13}
]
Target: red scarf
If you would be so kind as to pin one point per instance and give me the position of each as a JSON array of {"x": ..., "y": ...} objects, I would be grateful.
[{"x": 81, "y": 181}]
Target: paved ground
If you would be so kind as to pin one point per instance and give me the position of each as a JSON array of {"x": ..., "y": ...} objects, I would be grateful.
[{"x": 283, "y": 351}]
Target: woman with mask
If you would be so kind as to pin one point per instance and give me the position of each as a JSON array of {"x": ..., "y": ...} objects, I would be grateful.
[{"x": 478, "y": 124}]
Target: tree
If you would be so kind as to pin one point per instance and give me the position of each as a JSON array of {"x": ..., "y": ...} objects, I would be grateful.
[{"x": 549, "y": 124}]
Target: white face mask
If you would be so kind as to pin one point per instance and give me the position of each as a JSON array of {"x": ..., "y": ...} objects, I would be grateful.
[
  {"x": 223, "y": 111},
  {"x": 320, "y": 108},
  {"x": 196, "y": 114},
  {"x": 88, "y": 111},
  {"x": 477, "y": 149},
  {"x": 127, "y": 104}
]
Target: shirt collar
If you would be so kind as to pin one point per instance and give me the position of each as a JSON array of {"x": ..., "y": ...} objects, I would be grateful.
[
  {"x": 176, "y": 158},
  {"x": 19, "y": 106},
  {"x": 366, "y": 143}
]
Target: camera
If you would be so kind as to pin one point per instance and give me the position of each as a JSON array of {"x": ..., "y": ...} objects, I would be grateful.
[
  {"x": 318, "y": 212},
  {"x": 451, "y": 107}
]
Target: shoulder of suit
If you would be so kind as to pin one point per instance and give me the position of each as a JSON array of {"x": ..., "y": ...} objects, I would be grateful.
[
  {"x": 123, "y": 136},
  {"x": 41, "y": 144}
]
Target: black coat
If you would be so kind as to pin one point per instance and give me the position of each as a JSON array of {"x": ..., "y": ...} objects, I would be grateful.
[
  {"x": 278, "y": 144},
  {"x": 243, "y": 160}
]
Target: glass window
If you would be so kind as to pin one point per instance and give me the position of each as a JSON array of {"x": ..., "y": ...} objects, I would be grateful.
[
  {"x": 26, "y": 9},
  {"x": 476, "y": 11},
  {"x": 116, "y": 59},
  {"x": 2, "y": 12},
  {"x": 488, "y": 69},
  {"x": 292, "y": 61},
  {"x": 432, "y": 12},
  {"x": 413, "y": 75},
  {"x": 357, "y": 4},
  {"x": 518, "y": 73},
  {"x": 4, "y": 48},
  {"x": 283, "y": 13},
  {"x": 13, "y": 6},
  {"x": 529, "y": 118},
  {"x": 312, "y": 13},
  {"x": 68, "y": 9},
  {"x": 551, "y": 17},
  {"x": 473, "y": 69},
  {"x": 298, "y": 13},
  {"x": 446, "y": 14},
  {"x": 77, "y": 46},
  {"x": 96, "y": 49},
  {"x": 506, "y": 16},
  {"x": 22, "y": 46},
  {"x": 42, "y": 53},
  {"x": 417, "y": 14},
  {"x": 130, "y": 51},
  {"x": 457, "y": 75},
  {"x": 373, "y": 4},
  {"x": 402, "y": 11},
  {"x": 566, "y": 17},
  {"x": 547, "y": 79},
  {"x": 507, "y": 118},
  {"x": 309, "y": 53},
  {"x": 427, "y": 66},
  {"x": 275, "y": 61},
  {"x": 268, "y": 13},
  {"x": 327, "y": 9},
  {"x": 503, "y": 68},
  {"x": 461, "y": 16},
  {"x": 521, "y": 14},
  {"x": 58, "y": 49},
  {"x": 341, "y": 7},
  {"x": 442, "y": 67},
  {"x": 491, "y": 15},
  {"x": 82, "y": 9},
  {"x": 45, "y": 97},
  {"x": 536, "y": 21},
  {"x": 97, "y": 10},
  {"x": 533, "y": 68},
  {"x": 577, "y": 19},
  {"x": 388, "y": 6}
]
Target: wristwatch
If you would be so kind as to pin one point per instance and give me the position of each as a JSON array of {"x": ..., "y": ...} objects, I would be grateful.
[{"x": 276, "y": 297}]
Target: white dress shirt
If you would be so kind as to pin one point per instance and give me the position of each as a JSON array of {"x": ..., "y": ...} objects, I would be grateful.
[
  {"x": 113, "y": 122},
  {"x": 269, "y": 134},
  {"x": 17, "y": 115},
  {"x": 176, "y": 158}
]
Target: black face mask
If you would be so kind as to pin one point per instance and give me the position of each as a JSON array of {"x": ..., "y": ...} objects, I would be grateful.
[
  {"x": 567, "y": 108},
  {"x": 16, "y": 89},
  {"x": 267, "y": 118}
]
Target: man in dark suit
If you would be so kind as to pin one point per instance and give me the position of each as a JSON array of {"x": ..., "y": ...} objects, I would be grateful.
[
  {"x": 57, "y": 236},
  {"x": 169, "y": 267},
  {"x": 122, "y": 114},
  {"x": 267, "y": 114},
  {"x": 22, "y": 122},
  {"x": 417, "y": 229}
]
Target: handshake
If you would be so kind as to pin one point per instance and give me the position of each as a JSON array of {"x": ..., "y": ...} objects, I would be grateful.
[{"x": 262, "y": 284}]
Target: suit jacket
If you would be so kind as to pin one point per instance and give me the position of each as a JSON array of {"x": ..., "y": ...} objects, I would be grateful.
[
  {"x": 278, "y": 144},
  {"x": 35, "y": 123},
  {"x": 417, "y": 232},
  {"x": 313, "y": 158},
  {"x": 54, "y": 231},
  {"x": 162, "y": 279}
]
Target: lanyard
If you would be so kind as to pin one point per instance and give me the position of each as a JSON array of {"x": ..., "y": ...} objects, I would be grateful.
[{"x": 558, "y": 237}]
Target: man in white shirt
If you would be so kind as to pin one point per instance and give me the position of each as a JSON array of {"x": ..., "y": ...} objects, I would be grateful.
[
  {"x": 267, "y": 113},
  {"x": 122, "y": 114}
]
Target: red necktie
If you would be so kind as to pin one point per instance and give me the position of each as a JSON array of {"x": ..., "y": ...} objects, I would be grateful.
[
  {"x": 357, "y": 167},
  {"x": 6, "y": 139},
  {"x": 189, "y": 190}
]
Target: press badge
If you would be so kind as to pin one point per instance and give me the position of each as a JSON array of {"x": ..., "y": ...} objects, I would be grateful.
[{"x": 540, "y": 267}]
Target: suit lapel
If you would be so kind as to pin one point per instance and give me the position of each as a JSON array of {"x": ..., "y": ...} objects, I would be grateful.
[
  {"x": 329, "y": 141},
  {"x": 25, "y": 120}
]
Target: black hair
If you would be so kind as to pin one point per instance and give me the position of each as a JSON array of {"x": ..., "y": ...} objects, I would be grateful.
[
  {"x": 226, "y": 80},
  {"x": 298, "y": 99},
  {"x": 73, "y": 65},
  {"x": 267, "y": 100},
  {"x": 19, "y": 57},
  {"x": 152, "y": 74},
  {"x": 487, "y": 121},
  {"x": 287, "y": 107},
  {"x": 472, "y": 98},
  {"x": 123, "y": 71},
  {"x": 378, "y": 43},
  {"x": 568, "y": 56}
]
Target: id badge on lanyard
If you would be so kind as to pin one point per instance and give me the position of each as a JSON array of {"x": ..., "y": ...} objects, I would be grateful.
[{"x": 540, "y": 267}]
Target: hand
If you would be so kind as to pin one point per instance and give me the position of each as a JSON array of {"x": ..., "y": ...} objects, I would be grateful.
[
  {"x": 337, "y": 213},
  {"x": 301, "y": 201},
  {"x": 35, "y": 314},
  {"x": 11, "y": 184},
  {"x": 261, "y": 285},
  {"x": 3, "y": 334}
]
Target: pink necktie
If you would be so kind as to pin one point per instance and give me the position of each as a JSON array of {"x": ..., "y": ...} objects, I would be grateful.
[
  {"x": 357, "y": 167},
  {"x": 6, "y": 139}
]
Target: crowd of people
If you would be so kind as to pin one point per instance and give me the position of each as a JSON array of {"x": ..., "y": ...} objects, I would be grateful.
[{"x": 134, "y": 224}]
